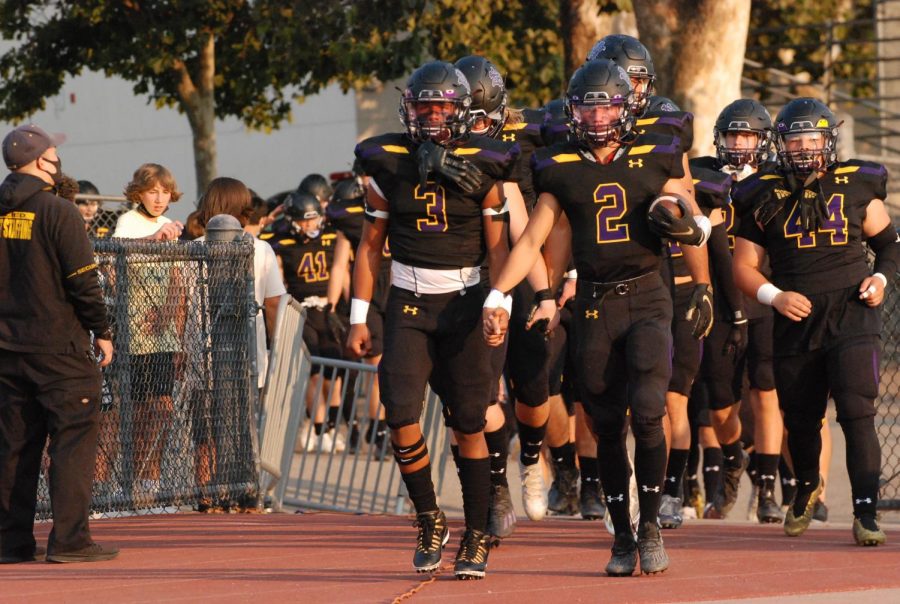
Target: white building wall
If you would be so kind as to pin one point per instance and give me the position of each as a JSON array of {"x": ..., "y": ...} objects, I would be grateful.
[{"x": 111, "y": 131}]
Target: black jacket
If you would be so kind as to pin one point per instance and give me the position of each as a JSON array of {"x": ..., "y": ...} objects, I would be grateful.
[{"x": 49, "y": 294}]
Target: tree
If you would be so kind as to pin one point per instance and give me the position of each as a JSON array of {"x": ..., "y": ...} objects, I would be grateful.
[
  {"x": 698, "y": 51},
  {"x": 583, "y": 22},
  {"x": 208, "y": 59}
]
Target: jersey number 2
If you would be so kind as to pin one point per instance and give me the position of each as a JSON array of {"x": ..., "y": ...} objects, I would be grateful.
[{"x": 613, "y": 205}]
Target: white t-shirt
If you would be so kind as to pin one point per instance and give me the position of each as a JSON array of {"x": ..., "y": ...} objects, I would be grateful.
[
  {"x": 134, "y": 225},
  {"x": 267, "y": 283}
]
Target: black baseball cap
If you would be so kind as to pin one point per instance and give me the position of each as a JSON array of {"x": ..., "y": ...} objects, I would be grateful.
[{"x": 26, "y": 143}]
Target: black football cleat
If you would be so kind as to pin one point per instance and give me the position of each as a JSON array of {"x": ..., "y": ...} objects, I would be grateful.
[
  {"x": 767, "y": 509},
  {"x": 654, "y": 558},
  {"x": 624, "y": 556},
  {"x": 501, "y": 514},
  {"x": 433, "y": 536},
  {"x": 731, "y": 481},
  {"x": 591, "y": 500},
  {"x": 472, "y": 557},
  {"x": 562, "y": 498}
]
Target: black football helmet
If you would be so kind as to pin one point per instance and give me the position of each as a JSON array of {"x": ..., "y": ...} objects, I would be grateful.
[
  {"x": 300, "y": 206},
  {"x": 634, "y": 58},
  {"x": 556, "y": 108},
  {"x": 661, "y": 103},
  {"x": 599, "y": 83},
  {"x": 317, "y": 185},
  {"x": 488, "y": 94},
  {"x": 812, "y": 117},
  {"x": 748, "y": 116},
  {"x": 435, "y": 105},
  {"x": 349, "y": 189}
]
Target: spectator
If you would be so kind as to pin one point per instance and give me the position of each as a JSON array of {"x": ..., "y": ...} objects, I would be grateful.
[{"x": 50, "y": 300}]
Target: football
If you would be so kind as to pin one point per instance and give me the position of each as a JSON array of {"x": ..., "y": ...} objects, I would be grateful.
[{"x": 675, "y": 204}]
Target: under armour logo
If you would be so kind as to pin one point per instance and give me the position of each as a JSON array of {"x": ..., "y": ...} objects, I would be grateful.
[
  {"x": 592, "y": 314},
  {"x": 410, "y": 310},
  {"x": 711, "y": 468},
  {"x": 671, "y": 479},
  {"x": 531, "y": 456},
  {"x": 635, "y": 163},
  {"x": 497, "y": 454},
  {"x": 647, "y": 489},
  {"x": 767, "y": 476},
  {"x": 866, "y": 500},
  {"x": 841, "y": 180},
  {"x": 789, "y": 481},
  {"x": 611, "y": 498},
  {"x": 509, "y": 137}
]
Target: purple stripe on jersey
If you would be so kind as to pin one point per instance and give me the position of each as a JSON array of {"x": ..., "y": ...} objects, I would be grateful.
[
  {"x": 368, "y": 152},
  {"x": 532, "y": 127},
  {"x": 503, "y": 157},
  {"x": 675, "y": 146},
  {"x": 879, "y": 171},
  {"x": 671, "y": 121},
  {"x": 715, "y": 187},
  {"x": 540, "y": 165}
]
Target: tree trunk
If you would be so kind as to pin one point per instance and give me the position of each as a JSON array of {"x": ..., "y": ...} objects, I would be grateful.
[
  {"x": 698, "y": 51},
  {"x": 582, "y": 24},
  {"x": 198, "y": 102}
]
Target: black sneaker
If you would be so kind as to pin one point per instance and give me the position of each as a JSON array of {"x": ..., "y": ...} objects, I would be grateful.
[
  {"x": 767, "y": 509},
  {"x": 820, "y": 511},
  {"x": 562, "y": 498},
  {"x": 501, "y": 515},
  {"x": 731, "y": 481},
  {"x": 18, "y": 556},
  {"x": 91, "y": 553},
  {"x": 433, "y": 536},
  {"x": 591, "y": 500},
  {"x": 472, "y": 557},
  {"x": 624, "y": 556},
  {"x": 654, "y": 558}
]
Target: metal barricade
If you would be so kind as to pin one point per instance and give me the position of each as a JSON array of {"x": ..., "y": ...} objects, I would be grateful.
[{"x": 345, "y": 467}]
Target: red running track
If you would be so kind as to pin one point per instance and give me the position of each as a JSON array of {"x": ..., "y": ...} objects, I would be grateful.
[{"x": 339, "y": 558}]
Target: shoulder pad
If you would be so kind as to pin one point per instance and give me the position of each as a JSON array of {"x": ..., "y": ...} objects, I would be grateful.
[
  {"x": 558, "y": 153},
  {"x": 871, "y": 177},
  {"x": 712, "y": 187},
  {"x": 394, "y": 144},
  {"x": 708, "y": 162},
  {"x": 655, "y": 143},
  {"x": 342, "y": 209}
]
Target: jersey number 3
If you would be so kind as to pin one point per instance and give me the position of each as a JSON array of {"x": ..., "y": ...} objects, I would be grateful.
[
  {"x": 613, "y": 205},
  {"x": 835, "y": 225},
  {"x": 435, "y": 208}
]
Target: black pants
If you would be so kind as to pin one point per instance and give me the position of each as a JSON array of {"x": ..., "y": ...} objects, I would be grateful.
[{"x": 55, "y": 395}]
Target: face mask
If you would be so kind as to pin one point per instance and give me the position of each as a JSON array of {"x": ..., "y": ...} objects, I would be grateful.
[{"x": 56, "y": 176}]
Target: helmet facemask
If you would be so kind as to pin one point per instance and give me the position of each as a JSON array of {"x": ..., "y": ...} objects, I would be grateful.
[
  {"x": 487, "y": 124},
  {"x": 807, "y": 150},
  {"x": 737, "y": 156},
  {"x": 435, "y": 117},
  {"x": 641, "y": 101},
  {"x": 599, "y": 121}
]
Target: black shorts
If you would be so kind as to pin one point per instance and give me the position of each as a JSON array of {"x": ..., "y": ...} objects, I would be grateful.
[
  {"x": 760, "y": 351},
  {"x": 698, "y": 404},
  {"x": 722, "y": 372},
  {"x": 624, "y": 351},
  {"x": 533, "y": 363},
  {"x": 318, "y": 338},
  {"x": 375, "y": 323},
  {"x": 152, "y": 375},
  {"x": 687, "y": 350},
  {"x": 437, "y": 339},
  {"x": 848, "y": 370},
  {"x": 569, "y": 387}
]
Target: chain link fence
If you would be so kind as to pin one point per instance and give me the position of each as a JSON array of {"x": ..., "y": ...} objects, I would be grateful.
[
  {"x": 887, "y": 422},
  {"x": 177, "y": 419}
]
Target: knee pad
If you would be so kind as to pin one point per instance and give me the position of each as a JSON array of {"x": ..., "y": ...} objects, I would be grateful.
[
  {"x": 853, "y": 406},
  {"x": 609, "y": 421},
  {"x": 798, "y": 422},
  {"x": 467, "y": 419},
  {"x": 648, "y": 431}
]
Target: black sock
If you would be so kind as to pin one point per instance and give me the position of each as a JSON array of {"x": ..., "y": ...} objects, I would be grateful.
[
  {"x": 564, "y": 456},
  {"x": 421, "y": 489},
  {"x": 788, "y": 482},
  {"x": 454, "y": 451},
  {"x": 712, "y": 471},
  {"x": 333, "y": 413},
  {"x": 475, "y": 479},
  {"x": 675, "y": 471},
  {"x": 530, "y": 441},
  {"x": 498, "y": 450},
  {"x": 805, "y": 446},
  {"x": 731, "y": 454},
  {"x": 766, "y": 466},
  {"x": 752, "y": 470},
  {"x": 318, "y": 427},
  {"x": 863, "y": 463},
  {"x": 649, "y": 465},
  {"x": 614, "y": 474},
  {"x": 590, "y": 470}
]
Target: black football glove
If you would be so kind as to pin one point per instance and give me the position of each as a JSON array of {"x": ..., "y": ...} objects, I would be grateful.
[
  {"x": 767, "y": 208},
  {"x": 736, "y": 342},
  {"x": 700, "y": 311},
  {"x": 665, "y": 224},
  {"x": 541, "y": 324},
  {"x": 813, "y": 211},
  {"x": 435, "y": 159},
  {"x": 335, "y": 325}
]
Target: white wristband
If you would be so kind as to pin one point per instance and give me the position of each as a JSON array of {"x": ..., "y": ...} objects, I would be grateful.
[
  {"x": 358, "y": 311},
  {"x": 882, "y": 277},
  {"x": 572, "y": 274},
  {"x": 705, "y": 227},
  {"x": 507, "y": 304},
  {"x": 494, "y": 299},
  {"x": 766, "y": 293}
]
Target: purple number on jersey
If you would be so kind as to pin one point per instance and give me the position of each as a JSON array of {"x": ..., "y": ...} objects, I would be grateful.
[
  {"x": 613, "y": 205},
  {"x": 435, "y": 208}
]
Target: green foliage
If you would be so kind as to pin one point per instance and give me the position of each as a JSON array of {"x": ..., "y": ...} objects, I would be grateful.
[{"x": 794, "y": 36}]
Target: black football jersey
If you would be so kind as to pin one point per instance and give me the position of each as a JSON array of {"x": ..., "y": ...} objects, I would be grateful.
[
  {"x": 607, "y": 204},
  {"x": 672, "y": 123},
  {"x": 436, "y": 226},
  {"x": 527, "y": 134},
  {"x": 830, "y": 258},
  {"x": 712, "y": 189},
  {"x": 348, "y": 217},
  {"x": 306, "y": 263}
]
